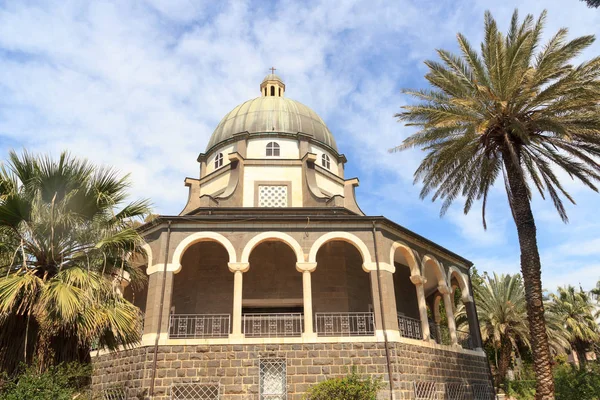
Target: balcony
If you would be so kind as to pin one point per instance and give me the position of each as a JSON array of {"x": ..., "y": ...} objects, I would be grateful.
[
  {"x": 440, "y": 333},
  {"x": 409, "y": 327},
  {"x": 464, "y": 339},
  {"x": 345, "y": 324},
  {"x": 273, "y": 325},
  {"x": 193, "y": 326}
]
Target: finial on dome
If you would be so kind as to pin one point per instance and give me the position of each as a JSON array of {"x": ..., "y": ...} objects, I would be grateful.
[{"x": 272, "y": 85}]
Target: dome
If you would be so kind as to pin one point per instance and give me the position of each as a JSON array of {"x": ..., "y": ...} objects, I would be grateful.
[
  {"x": 272, "y": 77},
  {"x": 272, "y": 114}
]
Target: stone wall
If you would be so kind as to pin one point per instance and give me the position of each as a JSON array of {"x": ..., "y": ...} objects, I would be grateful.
[{"x": 236, "y": 367}]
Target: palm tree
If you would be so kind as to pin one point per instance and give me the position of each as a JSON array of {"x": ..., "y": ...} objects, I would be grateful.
[
  {"x": 65, "y": 247},
  {"x": 501, "y": 310},
  {"x": 502, "y": 314},
  {"x": 517, "y": 110},
  {"x": 577, "y": 314}
]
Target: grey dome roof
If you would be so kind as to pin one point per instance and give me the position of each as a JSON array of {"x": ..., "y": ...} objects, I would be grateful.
[{"x": 272, "y": 115}]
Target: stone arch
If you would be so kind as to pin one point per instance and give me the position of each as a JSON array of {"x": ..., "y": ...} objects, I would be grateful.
[
  {"x": 462, "y": 281},
  {"x": 346, "y": 237},
  {"x": 409, "y": 255},
  {"x": 430, "y": 261},
  {"x": 146, "y": 247},
  {"x": 266, "y": 236},
  {"x": 201, "y": 237}
]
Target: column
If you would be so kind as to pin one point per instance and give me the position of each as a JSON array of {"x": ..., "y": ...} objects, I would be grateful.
[
  {"x": 473, "y": 322},
  {"x": 151, "y": 319},
  {"x": 306, "y": 268},
  {"x": 419, "y": 281},
  {"x": 449, "y": 314},
  {"x": 238, "y": 269},
  {"x": 389, "y": 314}
]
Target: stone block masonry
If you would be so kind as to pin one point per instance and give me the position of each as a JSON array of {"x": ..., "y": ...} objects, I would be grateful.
[{"x": 236, "y": 368}]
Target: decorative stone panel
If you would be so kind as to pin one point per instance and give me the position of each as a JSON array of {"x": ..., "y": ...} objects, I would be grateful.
[{"x": 272, "y": 195}]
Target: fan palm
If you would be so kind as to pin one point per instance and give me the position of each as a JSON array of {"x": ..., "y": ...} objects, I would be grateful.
[
  {"x": 519, "y": 111},
  {"x": 65, "y": 249},
  {"x": 576, "y": 313}
]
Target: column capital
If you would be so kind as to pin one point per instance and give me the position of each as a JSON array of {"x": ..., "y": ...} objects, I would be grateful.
[
  {"x": 443, "y": 289},
  {"x": 242, "y": 267},
  {"x": 467, "y": 299},
  {"x": 418, "y": 279},
  {"x": 306, "y": 266}
]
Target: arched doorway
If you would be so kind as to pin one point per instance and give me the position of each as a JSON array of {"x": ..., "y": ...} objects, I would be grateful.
[
  {"x": 202, "y": 296},
  {"x": 341, "y": 292},
  {"x": 272, "y": 302}
]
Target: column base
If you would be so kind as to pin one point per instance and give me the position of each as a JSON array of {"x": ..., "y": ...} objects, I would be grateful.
[
  {"x": 236, "y": 338},
  {"x": 309, "y": 337}
]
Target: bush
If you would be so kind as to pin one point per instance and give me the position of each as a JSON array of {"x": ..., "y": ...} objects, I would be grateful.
[
  {"x": 56, "y": 383},
  {"x": 521, "y": 390},
  {"x": 570, "y": 382},
  {"x": 350, "y": 387},
  {"x": 573, "y": 383}
]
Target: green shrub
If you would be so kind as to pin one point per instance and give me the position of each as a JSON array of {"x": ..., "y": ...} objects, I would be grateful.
[
  {"x": 56, "y": 383},
  {"x": 350, "y": 387},
  {"x": 521, "y": 390},
  {"x": 573, "y": 383}
]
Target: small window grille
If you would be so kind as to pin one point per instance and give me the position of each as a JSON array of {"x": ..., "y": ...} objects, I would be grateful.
[
  {"x": 483, "y": 391},
  {"x": 114, "y": 394},
  {"x": 196, "y": 391},
  {"x": 272, "y": 149},
  {"x": 219, "y": 160},
  {"x": 272, "y": 195},
  {"x": 272, "y": 379},
  {"x": 425, "y": 390},
  {"x": 272, "y": 90},
  {"x": 455, "y": 391},
  {"x": 325, "y": 161}
]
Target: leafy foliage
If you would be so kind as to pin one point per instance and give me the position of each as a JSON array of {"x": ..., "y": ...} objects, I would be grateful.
[
  {"x": 350, "y": 387},
  {"x": 501, "y": 310},
  {"x": 592, "y": 3},
  {"x": 574, "y": 383},
  {"x": 61, "y": 382},
  {"x": 576, "y": 313},
  {"x": 515, "y": 109},
  {"x": 66, "y": 247}
]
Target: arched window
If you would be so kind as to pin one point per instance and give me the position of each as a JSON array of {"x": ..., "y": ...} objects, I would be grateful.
[
  {"x": 279, "y": 92},
  {"x": 272, "y": 90},
  {"x": 265, "y": 91},
  {"x": 325, "y": 161},
  {"x": 219, "y": 160},
  {"x": 272, "y": 149}
]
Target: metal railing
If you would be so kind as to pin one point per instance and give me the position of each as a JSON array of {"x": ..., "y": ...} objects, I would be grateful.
[
  {"x": 464, "y": 339},
  {"x": 409, "y": 327},
  {"x": 345, "y": 324},
  {"x": 440, "y": 333},
  {"x": 272, "y": 325},
  {"x": 199, "y": 325}
]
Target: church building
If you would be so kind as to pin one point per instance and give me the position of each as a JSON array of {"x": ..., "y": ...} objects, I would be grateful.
[{"x": 272, "y": 279}]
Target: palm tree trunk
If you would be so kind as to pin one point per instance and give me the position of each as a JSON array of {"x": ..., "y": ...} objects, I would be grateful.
[
  {"x": 504, "y": 362},
  {"x": 580, "y": 350},
  {"x": 532, "y": 280}
]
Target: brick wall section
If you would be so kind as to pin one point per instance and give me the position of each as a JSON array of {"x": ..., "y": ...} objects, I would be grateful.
[{"x": 236, "y": 367}]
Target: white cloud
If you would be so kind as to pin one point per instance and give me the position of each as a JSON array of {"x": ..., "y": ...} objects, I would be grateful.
[{"x": 141, "y": 85}]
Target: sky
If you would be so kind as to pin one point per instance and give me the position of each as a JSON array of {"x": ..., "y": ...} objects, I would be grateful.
[{"x": 140, "y": 85}]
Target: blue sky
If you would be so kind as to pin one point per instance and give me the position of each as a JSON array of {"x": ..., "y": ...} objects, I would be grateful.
[{"x": 141, "y": 85}]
